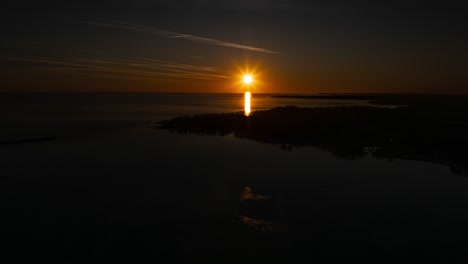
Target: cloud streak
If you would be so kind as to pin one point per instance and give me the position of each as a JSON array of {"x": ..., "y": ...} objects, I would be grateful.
[
  {"x": 177, "y": 35},
  {"x": 135, "y": 68}
]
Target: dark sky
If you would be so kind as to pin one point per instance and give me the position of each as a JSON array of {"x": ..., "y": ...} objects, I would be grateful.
[{"x": 202, "y": 46}]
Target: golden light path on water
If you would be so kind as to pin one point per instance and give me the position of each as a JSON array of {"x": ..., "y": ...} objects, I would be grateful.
[{"x": 247, "y": 97}]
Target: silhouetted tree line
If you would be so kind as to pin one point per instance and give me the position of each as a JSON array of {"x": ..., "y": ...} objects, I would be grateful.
[{"x": 437, "y": 133}]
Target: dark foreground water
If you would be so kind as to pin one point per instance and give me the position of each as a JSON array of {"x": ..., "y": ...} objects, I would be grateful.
[{"x": 110, "y": 188}]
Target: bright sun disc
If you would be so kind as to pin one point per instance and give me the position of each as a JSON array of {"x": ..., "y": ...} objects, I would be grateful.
[{"x": 247, "y": 79}]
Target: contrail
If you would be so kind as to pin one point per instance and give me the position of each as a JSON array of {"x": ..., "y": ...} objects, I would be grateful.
[{"x": 174, "y": 35}]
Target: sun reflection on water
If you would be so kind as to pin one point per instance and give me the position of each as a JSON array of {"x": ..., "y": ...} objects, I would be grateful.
[{"x": 247, "y": 97}]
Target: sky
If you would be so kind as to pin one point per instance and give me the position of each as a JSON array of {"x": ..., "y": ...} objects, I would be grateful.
[{"x": 204, "y": 45}]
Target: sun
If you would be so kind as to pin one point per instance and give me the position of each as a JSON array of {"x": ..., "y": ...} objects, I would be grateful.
[{"x": 247, "y": 79}]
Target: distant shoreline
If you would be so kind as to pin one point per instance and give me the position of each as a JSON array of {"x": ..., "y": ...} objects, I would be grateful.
[{"x": 387, "y": 99}]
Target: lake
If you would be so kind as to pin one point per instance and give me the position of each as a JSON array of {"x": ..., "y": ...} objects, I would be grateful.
[{"x": 112, "y": 186}]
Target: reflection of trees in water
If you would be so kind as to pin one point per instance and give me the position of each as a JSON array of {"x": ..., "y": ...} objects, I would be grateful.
[
  {"x": 260, "y": 212},
  {"x": 247, "y": 194},
  {"x": 438, "y": 135}
]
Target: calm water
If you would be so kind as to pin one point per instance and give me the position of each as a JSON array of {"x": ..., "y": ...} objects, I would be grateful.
[
  {"x": 65, "y": 114},
  {"x": 111, "y": 187}
]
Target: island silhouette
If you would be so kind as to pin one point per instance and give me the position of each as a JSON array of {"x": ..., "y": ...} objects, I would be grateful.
[{"x": 430, "y": 128}]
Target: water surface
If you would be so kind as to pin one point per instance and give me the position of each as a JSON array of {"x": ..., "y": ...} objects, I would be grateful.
[{"x": 112, "y": 187}]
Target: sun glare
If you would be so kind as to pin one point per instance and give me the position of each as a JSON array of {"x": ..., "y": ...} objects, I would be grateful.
[{"x": 247, "y": 79}]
